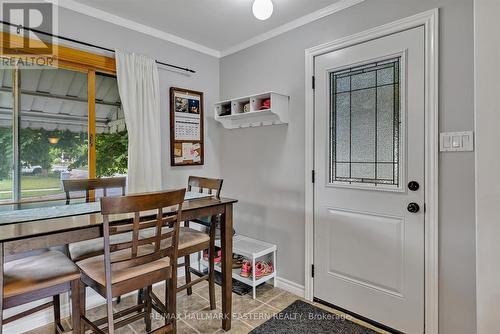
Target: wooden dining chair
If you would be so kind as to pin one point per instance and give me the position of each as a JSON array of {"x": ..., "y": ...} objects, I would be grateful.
[
  {"x": 136, "y": 264},
  {"x": 84, "y": 249},
  {"x": 202, "y": 242},
  {"x": 192, "y": 241},
  {"x": 39, "y": 275},
  {"x": 88, "y": 185}
]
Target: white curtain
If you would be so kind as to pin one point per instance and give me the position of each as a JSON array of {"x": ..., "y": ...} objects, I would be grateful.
[{"x": 139, "y": 89}]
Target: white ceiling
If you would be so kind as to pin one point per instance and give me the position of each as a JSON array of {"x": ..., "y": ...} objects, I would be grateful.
[{"x": 216, "y": 27}]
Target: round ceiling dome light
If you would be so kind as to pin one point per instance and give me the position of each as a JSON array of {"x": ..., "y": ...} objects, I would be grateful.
[{"x": 262, "y": 9}]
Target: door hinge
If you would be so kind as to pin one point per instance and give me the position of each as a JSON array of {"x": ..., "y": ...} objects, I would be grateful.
[
  {"x": 313, "y": 176},
  {"x": 312, "y": 270},
  {"x": 313, "y": 82}
]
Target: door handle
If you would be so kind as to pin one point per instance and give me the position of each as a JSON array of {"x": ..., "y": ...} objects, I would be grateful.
[{"x": 413, "y": 208}]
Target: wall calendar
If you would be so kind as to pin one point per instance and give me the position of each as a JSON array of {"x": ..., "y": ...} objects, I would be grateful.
[{"x": 186, "y": 127}]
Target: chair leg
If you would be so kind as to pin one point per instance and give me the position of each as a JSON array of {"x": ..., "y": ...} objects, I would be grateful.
[
  {"x": 109, "y": 308},
  {"x": 167, "y": 315},
  {"x": 148, "y": 313},
  {"x": 140, "y": 298},
  {"x": 187, "y": 265},
  {"x": 141, "y": 301},
  {"x": 75, "y": 305},
  {"x": 211, "y": 267},
  {"x": 171, "y": 303},
  {"x": 57, "y": 314},
  {"x": 82, "y": 305}
]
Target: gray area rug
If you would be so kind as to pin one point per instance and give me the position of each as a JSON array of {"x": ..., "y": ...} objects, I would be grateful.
[{"x": 302, "y": 317}]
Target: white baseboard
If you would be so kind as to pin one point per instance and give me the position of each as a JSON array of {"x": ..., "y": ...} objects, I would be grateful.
[{"x": 290, "y": 286}]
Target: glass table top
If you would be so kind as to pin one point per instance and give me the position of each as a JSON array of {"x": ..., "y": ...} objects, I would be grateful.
[{"x": 17, "y": 213}]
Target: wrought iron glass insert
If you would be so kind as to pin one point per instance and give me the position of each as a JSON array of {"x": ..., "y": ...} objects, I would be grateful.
[{"x": 365, "y": 124}]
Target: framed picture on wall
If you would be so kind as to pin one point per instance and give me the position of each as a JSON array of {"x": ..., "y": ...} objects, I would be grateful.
[{"x": 186, "y": 127}]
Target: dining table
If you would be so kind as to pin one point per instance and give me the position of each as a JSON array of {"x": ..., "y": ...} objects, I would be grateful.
[{"x": 42, "y": 225}]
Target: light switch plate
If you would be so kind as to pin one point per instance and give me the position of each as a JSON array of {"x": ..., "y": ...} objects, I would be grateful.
[{"x": 457, "y": 141}]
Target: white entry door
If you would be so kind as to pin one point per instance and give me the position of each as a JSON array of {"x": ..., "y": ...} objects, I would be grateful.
[{"x": 369, "y": 195}]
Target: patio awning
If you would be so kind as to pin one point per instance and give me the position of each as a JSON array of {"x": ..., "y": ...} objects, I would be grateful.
[{"x": 56, "y": 99}]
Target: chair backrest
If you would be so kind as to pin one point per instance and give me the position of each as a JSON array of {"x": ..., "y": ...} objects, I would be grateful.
[
  {"x": 77, "y": 185},
  {"x": 203, "y": 184},
  {"x": 140, "y": 253}
]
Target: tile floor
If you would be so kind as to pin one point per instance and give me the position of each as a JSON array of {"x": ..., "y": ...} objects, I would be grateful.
[{"x": 196, "y": 316}]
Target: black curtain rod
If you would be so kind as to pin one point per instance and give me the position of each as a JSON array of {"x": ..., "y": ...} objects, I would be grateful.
[{"x": 19, "y": 27}]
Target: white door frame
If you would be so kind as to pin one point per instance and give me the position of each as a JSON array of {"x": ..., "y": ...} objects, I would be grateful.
[{"x": 429, "y": 20}]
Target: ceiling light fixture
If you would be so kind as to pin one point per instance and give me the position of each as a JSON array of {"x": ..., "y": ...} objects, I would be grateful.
[{"x": 262, "y": 9}]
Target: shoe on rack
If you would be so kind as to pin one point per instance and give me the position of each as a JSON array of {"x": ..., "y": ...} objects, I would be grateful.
[
  {"x": 263, "y": 268},
  {"x": 217, "y": 259},
  {"x": 246, "y": 269},
  {"x": 237, "y": 261}
]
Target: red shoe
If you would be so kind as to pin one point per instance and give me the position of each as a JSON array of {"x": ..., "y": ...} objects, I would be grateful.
[
  {"x": 246, "y": 269},
  {"x": 263, "y": 268},
  {"x": 218, "y": 259}
]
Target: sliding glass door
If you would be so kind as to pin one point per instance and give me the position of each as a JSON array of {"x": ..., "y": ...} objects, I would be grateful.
[
  {"x": 53, "y": 131},
  {"x": 6, "y": 135},
  {"x": 70, "y": 126}
]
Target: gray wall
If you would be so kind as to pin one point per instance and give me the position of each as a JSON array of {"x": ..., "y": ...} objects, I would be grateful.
[
  {"x": 264, "y": 167},
  {"x": 85, "y": 28},
  {"x": 487, "y": 53}
]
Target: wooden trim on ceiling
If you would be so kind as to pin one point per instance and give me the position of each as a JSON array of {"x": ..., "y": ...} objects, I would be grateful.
[{"x": 68, "y": 58}]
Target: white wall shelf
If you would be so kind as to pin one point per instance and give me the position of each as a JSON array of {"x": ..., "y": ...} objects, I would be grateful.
[{"x": 233, "y": 115}]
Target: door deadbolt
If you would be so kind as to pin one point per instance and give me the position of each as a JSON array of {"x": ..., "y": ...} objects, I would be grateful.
[
  {"x": 413, "y": 186},
  {"x": 413, "y": 208}
]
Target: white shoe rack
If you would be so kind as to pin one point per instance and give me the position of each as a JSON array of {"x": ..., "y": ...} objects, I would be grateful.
[{"x": 254, "y": 250}]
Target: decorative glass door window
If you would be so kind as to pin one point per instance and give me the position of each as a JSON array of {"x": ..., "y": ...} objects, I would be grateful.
[{"x": 365, "y": 124}]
